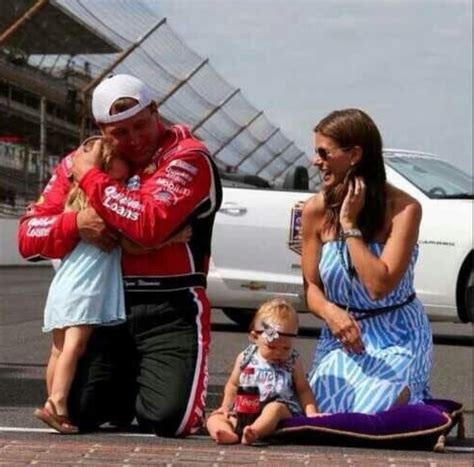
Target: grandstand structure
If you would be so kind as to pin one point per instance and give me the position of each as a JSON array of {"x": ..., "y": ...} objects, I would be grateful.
[
  {"x": 39, "y": 116},
  {"x": 53, "y": 53}
]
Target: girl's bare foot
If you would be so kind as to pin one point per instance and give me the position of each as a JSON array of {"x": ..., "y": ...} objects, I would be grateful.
[
  {"x": 249, "y": 436},
  {"x": 226, "y": 437}
]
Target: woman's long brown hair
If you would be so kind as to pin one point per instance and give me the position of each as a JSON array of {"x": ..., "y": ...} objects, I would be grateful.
[{"x": 350, "y": 128}]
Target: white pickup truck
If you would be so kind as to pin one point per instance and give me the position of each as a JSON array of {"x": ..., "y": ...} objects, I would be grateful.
[{"x": 256, "y": 243}]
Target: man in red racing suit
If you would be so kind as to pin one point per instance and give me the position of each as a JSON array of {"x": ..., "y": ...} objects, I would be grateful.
[{"x": 154, "y": 366}]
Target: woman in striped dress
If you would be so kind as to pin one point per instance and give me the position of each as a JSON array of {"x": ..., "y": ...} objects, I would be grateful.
[{"x": 359, "y": 251}]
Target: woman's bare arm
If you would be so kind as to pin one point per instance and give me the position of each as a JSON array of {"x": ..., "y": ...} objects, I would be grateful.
[
  {"x": 382, "y": 275},
  {"x": 339, "y": 321}
]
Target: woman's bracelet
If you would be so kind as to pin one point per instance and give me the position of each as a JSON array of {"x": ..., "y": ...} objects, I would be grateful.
[{"x": 351, "y": 233}]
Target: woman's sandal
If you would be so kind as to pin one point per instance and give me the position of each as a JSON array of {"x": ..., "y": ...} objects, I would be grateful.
[{"x": 51, "y": 417}]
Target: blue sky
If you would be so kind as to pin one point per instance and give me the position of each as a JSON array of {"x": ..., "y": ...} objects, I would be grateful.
[{"x": 408, "y": 63}]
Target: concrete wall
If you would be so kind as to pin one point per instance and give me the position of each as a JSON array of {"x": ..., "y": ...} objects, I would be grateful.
[{"x": 9, "y": 255}]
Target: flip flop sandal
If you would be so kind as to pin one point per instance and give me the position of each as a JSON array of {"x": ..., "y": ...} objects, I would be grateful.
[{"x": 60, "y": 423}]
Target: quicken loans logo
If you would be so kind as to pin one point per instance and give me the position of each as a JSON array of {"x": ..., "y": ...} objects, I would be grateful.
[{"x": 121, "y": 204}]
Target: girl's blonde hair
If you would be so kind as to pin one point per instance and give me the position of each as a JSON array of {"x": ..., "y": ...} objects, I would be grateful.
[
  {"x": 275, "y": 310},
  {"x": 77, "y": 199}
]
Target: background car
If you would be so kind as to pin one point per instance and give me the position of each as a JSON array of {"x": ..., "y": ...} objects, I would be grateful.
[{"x": 256, "y": 244}]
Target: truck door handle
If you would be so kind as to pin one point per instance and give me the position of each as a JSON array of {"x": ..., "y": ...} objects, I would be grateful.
[{"x": 233, "y": 209}]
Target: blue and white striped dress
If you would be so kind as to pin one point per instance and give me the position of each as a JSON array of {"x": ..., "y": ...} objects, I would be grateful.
[{"x": 398, "y": 344}]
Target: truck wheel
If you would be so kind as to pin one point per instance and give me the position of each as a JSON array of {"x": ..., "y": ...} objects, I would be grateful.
[
  {"x": 470, "y": 297},
  {"x": 465, "y": 290},
  {"x": 240, "y": 316}
]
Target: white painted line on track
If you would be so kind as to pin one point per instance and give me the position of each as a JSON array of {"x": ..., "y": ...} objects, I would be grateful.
[
  {"x": 26, "y": 430},
  {"x": 14, "y": 429},
  {"x": 459, "y": 449}
]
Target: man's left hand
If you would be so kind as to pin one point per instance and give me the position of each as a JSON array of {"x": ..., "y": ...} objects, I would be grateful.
[{"x": 85, "y": 158}]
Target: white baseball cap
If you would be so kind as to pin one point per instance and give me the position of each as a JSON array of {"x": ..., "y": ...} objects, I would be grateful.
[{"x": 117, "y": 87}]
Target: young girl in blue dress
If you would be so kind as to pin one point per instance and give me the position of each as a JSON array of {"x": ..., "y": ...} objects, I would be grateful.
[
  {"x": 272, "y": 364},
  {"x": 86, "y": 291}
]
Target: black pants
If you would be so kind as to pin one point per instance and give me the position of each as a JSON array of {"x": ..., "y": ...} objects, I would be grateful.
[{"x": 149, "y": 367}]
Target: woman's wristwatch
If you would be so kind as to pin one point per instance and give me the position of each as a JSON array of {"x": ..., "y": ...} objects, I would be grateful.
[{"x": 351, "y": 233}]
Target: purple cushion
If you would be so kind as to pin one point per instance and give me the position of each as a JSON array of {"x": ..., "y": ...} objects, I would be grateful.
[
  {"x": 452, "y": 408},
  {"x": 410, "y": 426}
]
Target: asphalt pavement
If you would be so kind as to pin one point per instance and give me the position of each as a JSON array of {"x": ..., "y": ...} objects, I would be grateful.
[{"x": 24, "y": 440}]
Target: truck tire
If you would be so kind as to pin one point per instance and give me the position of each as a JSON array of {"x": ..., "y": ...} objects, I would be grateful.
[
  {"x": 469, "y": 297},
  {"x": 465, "y": 290}
]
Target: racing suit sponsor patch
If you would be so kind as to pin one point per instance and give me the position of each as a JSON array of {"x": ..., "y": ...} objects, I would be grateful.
[
  {"x": 178, "y": 175},
  {"x": 165, "y": 197},
  {"x": 121, "y": 204},
  {"x": 150, "y": 168},
  {"x": 185, "y": 166},
  {"x": 134, "y": 183},
  {"x": 173, "y": 187},
  {"x": 39, "y": 227}
]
